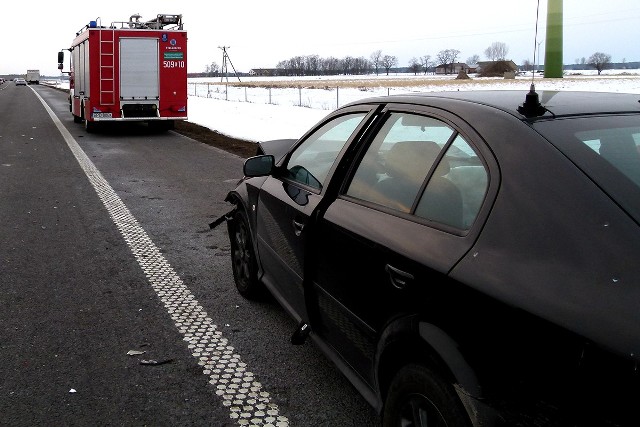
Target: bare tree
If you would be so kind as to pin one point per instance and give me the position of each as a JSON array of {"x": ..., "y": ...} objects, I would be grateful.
[
  {"x": 497, "y": 51},
  {"x": 361, "y": 65},
  {"x": 330, "y": 65},
  {"x": 446, "y": 58},
  {"x": 347, "y": 64},
  {"x": 527, "y": 65},
  {"x": 297, "y": 65},
  {"x": 376, "y": 56},
  {"x": 312, "y": 65},
  {"x": 389, "y": 61},
  {"x": 443, "y": 59},
  {"x": 454, "y": 55},
  {"x": 284, "y": 68},
  {"x": 425, "y": 61},
  {"x": 473, "y": 60},
  {"x": 415, "y": 66},
  {"x": 213, "y": 69},
  {"x": 599, "y": 61}
]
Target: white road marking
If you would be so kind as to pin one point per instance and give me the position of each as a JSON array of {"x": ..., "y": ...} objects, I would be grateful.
[{"x": 248, "y": 403}]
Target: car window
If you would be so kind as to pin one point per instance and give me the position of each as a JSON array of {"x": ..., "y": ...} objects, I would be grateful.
[
  {"x": 311, "y": 161},
  {"x": 457, "y": 188},
  {"x": 606, "y": 148},
  {"x": 399, "y": 160},
  {"x": 618, "y": 146}
]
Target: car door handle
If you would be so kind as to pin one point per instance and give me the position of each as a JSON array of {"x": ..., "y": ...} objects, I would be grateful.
[
  {"x": 399, "y": 279},
  {"x": 298, "y": 227}
]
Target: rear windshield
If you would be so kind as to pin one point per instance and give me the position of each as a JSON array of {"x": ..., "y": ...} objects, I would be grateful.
[{"x": 607, "y": 148}]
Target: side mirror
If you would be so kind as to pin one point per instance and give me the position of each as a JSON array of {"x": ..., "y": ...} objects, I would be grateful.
[
  {"x": 60, "y": 60},
  {"x": 258, "y": 166}
]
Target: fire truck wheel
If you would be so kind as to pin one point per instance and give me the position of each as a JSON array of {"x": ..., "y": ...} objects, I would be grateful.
[
  {"x": 77, "y": 119},
  {"x": 90, "y": 127}
]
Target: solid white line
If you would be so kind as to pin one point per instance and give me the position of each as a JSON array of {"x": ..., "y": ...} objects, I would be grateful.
[{"x": 241, "y": 393}]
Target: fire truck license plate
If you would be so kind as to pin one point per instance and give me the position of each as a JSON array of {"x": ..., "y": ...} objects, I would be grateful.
[{"x": 102, "y": 115}]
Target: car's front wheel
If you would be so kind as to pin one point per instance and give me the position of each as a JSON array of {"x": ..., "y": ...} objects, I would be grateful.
[
  {"x": 243, "y": 259},
  {"x": 419, "y": 397}
]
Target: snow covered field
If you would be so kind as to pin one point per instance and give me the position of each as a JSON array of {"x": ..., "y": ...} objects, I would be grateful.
[
  {"x": 255, "y": 114},
  {"x": 258, "y": 120}
]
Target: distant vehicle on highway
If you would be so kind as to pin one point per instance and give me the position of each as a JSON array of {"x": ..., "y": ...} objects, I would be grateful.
[
  {"x": 461, "y": 257},
  {"x": 20, "y": 81},
  {"x": 33, "y": 77}
]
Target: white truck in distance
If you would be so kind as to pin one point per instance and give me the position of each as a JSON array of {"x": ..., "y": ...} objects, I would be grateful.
[{"x": 33, "y": 77}]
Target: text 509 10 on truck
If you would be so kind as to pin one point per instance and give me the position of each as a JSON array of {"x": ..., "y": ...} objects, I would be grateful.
[{"x": 129, "y": 71}]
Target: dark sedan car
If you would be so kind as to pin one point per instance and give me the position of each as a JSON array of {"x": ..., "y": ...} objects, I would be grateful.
[{"x": 465, "y": 259}]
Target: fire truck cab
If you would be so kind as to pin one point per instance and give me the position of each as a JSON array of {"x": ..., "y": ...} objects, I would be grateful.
[{"x": 129, "y": 71}]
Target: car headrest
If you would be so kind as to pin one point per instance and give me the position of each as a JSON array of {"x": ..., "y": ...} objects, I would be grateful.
[{"x": 414, "y": 159}]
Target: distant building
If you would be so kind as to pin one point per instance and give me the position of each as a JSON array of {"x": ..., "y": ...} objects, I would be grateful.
[
  {"x": 264, "y": 72},
  {"x": 496, "y": 67},
  {"x": 453, "y": 68}
]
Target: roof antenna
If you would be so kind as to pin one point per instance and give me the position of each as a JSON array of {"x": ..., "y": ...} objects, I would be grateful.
[
  {"x": 532, "y": 106},
  {"x": 535, "y": 44}
]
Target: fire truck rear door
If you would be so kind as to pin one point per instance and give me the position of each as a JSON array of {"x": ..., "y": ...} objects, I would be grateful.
[{"x": 139, "y": 68}]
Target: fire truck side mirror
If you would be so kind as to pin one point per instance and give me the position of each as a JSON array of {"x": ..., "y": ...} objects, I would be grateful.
[{"x": 60, "y": 59}]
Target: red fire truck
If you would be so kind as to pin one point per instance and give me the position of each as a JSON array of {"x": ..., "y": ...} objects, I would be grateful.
[{"x": 129, "y": 71}]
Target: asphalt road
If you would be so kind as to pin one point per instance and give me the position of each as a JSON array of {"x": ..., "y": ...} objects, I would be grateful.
[{"x": 105, "y": 248}]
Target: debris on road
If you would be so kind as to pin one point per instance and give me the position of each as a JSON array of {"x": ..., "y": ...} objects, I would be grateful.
[{"x": 155, "y": 362}]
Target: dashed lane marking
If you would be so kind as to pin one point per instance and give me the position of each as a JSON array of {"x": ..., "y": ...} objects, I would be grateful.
[{"x": 247, "y": 401}]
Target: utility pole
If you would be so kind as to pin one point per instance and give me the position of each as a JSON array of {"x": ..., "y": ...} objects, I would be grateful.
[{"x": 226, "y": 59}]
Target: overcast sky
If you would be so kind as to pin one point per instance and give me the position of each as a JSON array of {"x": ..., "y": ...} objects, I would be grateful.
[{"x": 259, "y": 34}]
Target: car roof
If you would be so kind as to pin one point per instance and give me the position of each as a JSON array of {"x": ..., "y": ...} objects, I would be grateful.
[{"x": 557, "y": 103}]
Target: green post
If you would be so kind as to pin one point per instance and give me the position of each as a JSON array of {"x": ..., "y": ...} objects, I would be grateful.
[{"x": 553, "y": 41}]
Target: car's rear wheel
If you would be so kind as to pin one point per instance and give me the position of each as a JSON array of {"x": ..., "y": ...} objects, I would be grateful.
[
  {"x": 418, "y": 397},
  {"x": 243, "y": 259}
]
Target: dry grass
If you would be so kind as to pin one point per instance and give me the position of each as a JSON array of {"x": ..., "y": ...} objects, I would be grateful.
[
  {"x": 320, "y": 83},
  {"x": 387, "y": 82}
]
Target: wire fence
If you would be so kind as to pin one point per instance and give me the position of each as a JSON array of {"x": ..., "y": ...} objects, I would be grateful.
[{"x": 326, "y": 98}]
